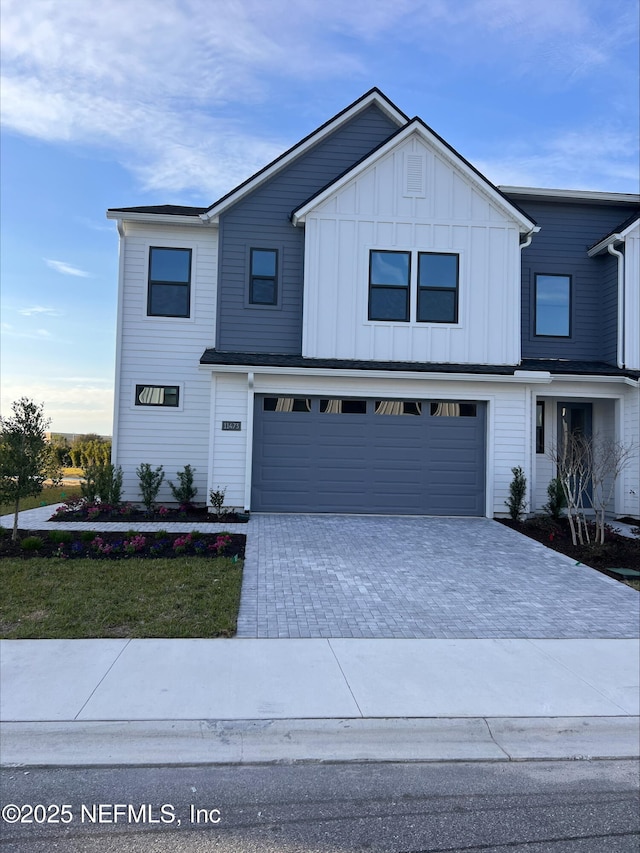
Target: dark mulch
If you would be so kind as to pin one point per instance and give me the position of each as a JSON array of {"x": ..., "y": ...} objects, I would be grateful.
[
  {"x": 126, "y": 513},
  {"x": 619, "y": 552},
  {"x": 121, "y": 545}
]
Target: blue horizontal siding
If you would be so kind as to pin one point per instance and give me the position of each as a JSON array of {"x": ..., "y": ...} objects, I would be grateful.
[{"x": 567, "y": 231}]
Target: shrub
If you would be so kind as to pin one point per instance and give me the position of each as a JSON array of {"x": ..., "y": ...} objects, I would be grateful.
[
  {"x": 216, "y": 497},
  {"x": 60, "y": 536},
  {"x": 102, "y": 482},
  {"x": 517, "y": 494},
  {"x": 87, "y": 535},
  {"x": 186, "y": 492},
  {"x": 557, "y": 499},
  {"x": 150, "y": 482},
  {"x": 31, "y": 543}
]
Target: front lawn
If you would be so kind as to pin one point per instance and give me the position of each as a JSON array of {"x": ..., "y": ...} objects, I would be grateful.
[
  {"x": 49, "y": 598},
  {"x": 49, "y": 495}
]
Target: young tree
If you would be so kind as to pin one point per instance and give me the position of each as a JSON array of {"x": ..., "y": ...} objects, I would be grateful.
[{"x": 23, "y": 454}]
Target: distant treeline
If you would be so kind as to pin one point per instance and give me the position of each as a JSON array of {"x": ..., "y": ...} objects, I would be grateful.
[{"x": 83, "y": 450}]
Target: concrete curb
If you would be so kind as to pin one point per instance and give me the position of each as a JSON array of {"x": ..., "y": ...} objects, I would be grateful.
[{"x": 223, "y": 742}]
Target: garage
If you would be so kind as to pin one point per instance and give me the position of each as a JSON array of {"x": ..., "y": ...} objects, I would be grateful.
[{"x": 339, "y": 454}]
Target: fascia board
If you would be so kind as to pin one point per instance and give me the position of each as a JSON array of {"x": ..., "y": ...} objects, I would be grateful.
[
  {"x": 572, "y": 195},
  {"x": 603, "y": 380},
  {"x": 157, "y": 218},
  {"x": 373, "y": 97},
  {"x": 416, "y": 126},
  {"x": 542, "y": 378}
]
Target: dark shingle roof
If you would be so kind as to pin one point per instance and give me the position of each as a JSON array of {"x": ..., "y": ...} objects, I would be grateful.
[
  {"x": 558, "y": 366},
  {"x": 161, "y": 209}
]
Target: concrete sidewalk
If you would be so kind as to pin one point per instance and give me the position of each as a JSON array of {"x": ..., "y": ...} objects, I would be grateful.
[{"x": 242, "y": 700}]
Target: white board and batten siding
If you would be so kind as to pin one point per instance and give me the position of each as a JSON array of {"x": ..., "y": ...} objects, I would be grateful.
[
  {"x": 380, "y": 209},
  {"x": 230, "y": 447},
  {"x": 165, "y": 351}
]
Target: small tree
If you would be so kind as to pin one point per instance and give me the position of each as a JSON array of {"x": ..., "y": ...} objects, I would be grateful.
[
  {"x": 186, "y": 492},
  {"x": 588, "y": 468},
  {"x": 23, "y": 454},
  {"x": 216, "y": 497},
  {"x": 517, "y": 494},
  {"x": 150, "y": 482}
]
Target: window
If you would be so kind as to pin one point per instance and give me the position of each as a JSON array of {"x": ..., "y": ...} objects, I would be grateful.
[
  {"x": 343, "y": 407},
  {"x": 437, "y": 288},
  {"x": 447, "y": 409},
  {"x": 389, "y": 277},
  {"x": 398, "y": 407},
  {"x": 553, "y": 305},
  {"x": 157, "y": 395},
  {"x": 286, "y": 404},
  {"x": 169, "y": 282},
  {"x": 263, "y": 277},
  {"x": 540, "y": 427}
]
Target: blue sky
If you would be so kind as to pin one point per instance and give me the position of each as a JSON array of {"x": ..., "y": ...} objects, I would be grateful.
[{"x": 176, "y": 101}]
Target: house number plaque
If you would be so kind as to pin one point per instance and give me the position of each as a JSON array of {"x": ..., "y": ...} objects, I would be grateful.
[{"x": 232, "y": 426}]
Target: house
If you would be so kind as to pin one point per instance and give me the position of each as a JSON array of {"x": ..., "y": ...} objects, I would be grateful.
[{"x": 370, "y": 325}]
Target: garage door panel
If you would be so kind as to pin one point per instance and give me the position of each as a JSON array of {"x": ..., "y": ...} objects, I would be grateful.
[{"x": 338, "y": 462}]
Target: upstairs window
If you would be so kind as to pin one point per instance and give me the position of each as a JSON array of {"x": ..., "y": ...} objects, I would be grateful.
[
  {"x": 169, "y": 282},
  {"x": 389, "y": 278},
  {"x": 553, "y": 306},
  {"x": 437, "y": 288},
  {"x": 263, "y": 277}
]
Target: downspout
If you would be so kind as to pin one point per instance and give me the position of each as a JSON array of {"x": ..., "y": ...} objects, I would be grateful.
[{"x": 620, "y": 256}]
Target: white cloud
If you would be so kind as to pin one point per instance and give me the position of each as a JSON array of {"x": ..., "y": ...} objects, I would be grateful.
[
  {"x": 66, "y": 269},
  {"x": 36, "y": 310},
  {"x": 170, "y": 86},
  {"x": 570, "y": 161},
  {"x": 82, "y": 406}
]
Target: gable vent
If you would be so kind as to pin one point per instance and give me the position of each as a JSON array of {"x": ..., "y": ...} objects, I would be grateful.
[{"x": 414, "y": 169}]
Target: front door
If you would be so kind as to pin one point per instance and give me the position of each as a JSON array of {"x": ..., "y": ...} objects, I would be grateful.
[{"x": 574, "y": 419}]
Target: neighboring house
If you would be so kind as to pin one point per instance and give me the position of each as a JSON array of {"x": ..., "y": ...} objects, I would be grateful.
[{"x": 369, "y": 325}]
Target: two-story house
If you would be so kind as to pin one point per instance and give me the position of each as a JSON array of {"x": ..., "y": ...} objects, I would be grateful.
[{"x": 370, "y": 325}]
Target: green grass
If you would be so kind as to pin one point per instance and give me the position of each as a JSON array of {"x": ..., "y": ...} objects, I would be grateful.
[
  {"x": 60, "y": 599},
  {"x": 49, "y": 495}
]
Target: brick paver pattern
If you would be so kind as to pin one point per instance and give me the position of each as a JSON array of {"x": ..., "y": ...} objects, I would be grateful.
[{"x": 417, "y": 577}]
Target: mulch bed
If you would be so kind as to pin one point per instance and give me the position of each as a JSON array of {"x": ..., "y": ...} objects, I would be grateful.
[
  {"x": 121, "y": 545},
  {"x": 619, "y": 552},
  {"x": 127, "y": 513}
]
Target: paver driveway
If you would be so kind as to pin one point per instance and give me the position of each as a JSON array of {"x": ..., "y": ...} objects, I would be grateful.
[{"x": 417, "y": 577}]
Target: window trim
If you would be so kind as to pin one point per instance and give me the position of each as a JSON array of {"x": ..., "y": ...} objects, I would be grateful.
[
  {"x": 400, "y": 287},
  {"x": 141, "y": 385},
  {"x": 159, "y": 282},
  {"x": 456, "y": 291},
  {"x": 251, "y": 277},
  {"x": 569, "y": 277}
]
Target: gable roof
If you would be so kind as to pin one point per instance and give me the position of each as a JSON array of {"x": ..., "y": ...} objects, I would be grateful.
[
  {"x": 372, "y": 97},
  {"x": 416, "y": 125}
]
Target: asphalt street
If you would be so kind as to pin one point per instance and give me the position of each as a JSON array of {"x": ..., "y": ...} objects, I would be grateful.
[{"x": 537, "y": 807}]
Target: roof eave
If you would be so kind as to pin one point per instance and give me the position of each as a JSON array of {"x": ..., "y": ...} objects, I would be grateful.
[{"x": 157, "y": 218}]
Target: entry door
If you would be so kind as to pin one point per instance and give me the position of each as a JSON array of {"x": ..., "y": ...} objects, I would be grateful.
[{"x": 574, "y": 419}]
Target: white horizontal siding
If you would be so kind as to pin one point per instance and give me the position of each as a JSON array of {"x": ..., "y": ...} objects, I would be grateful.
[
  {"x": 372, "y": 212},
  {"x": 229, "y": 452},
  {"x": 165, "y": 351}
]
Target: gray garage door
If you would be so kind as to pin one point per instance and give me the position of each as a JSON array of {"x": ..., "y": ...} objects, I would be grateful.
[{"x": 419, "y": 457}]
